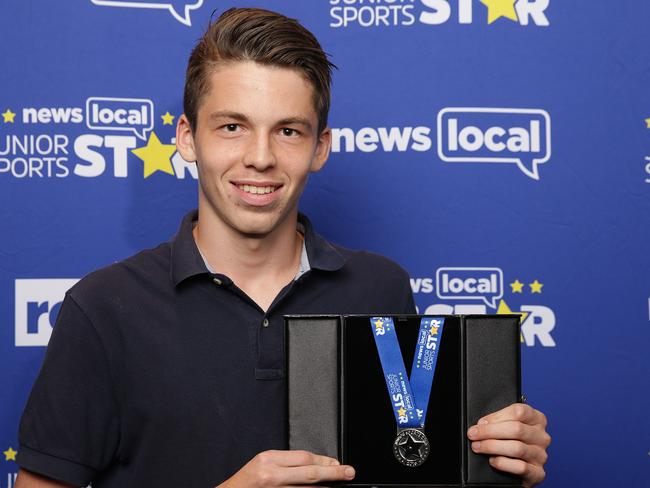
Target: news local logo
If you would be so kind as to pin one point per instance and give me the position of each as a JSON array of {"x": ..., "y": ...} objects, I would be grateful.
[
  {"x": 120, "y": 130},
  {"x": 485, "y": 284},
  {"x": 482, "y": 290},
  {"x": 484, "y": 135},
  {"x": 37, "y": 304},
  {"x": 495, "y": 135},
  {"x": 133, "y": 115},
  {"x": 179, "y": 9},
  {"x": 405, "y": 13}
]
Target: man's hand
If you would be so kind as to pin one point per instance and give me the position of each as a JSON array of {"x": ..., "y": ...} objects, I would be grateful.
[
  {"x": 288, "y": 468},
  {"x": 515, "y": 438}
]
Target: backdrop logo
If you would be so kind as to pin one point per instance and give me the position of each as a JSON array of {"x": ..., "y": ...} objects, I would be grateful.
[
  {"x": 120, "y": 114},
  {"x": 37, "y": 304},
  {"x": 495, "y": 135},
  {"x": 386, "y": 139},
  {"x": 380, "y": 13},
  {"x": 180, "y": 9},
  {"x": 119, "y": 139},
  {"x": 479, "y": 290},
  {"x": 470, "y": 284}
]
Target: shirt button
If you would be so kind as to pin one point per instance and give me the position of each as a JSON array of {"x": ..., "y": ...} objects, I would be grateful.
[
  {"x": 217, "y": 281},
  {"x": 265, "y": 323}
]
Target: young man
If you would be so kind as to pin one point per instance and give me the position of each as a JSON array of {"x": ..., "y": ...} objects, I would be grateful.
[{"x": 167, "y": 369}]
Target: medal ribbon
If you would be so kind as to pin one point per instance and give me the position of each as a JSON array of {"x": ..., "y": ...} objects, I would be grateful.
[{"x": 408, "y": 398}]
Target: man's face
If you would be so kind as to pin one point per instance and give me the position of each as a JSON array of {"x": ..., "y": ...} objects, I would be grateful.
[{"x": 256, "y": 141}]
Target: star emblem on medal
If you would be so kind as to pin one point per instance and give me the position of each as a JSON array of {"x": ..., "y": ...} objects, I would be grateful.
[{"x": 411, "y": 448}]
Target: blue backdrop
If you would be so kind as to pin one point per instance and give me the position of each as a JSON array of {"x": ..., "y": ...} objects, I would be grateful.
[{"x": 497, "y": 149}]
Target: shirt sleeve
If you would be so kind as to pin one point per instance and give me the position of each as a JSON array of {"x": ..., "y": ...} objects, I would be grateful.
[
  {"x": 69, "y": 430},
  {"x": 408, "y": 303}
]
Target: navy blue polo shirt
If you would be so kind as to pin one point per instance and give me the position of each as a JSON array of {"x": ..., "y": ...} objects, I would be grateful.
[{"x": 160, "y": 373}]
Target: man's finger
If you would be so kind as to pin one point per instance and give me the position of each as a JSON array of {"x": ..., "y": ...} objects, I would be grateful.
[
  {"x": 296, "y": 458},
  {"x": 510, "y": 430},
  {"x": 310, "y": 475},
  {"x": 531, "y": 474},
  {"x": 512, "y": 449},
  {"x": 517, "y": 411}
]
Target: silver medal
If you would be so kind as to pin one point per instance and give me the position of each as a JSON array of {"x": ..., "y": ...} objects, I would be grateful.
[{"x": 411, "y": 447}]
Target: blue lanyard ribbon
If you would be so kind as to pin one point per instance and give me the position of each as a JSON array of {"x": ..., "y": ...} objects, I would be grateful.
[{"x": 408, "y": 398}]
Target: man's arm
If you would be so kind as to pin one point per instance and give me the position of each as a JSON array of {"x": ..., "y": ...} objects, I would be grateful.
[
  {"x": 27, "y": 479},
  {"x": 516, "y": 440},
  {"x": 288, "y": 468}
]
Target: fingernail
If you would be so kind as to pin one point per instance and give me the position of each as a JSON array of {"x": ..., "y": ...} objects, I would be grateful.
[
  {"x": 482, "y": 422},
  {"x": 472, "y": 432},
  {"x": 349, "y": 472},
  {"x": 476, "y": 446}
]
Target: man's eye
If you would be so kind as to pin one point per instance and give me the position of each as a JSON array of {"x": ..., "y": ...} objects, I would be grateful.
[
  {"x": 231, "y": 127},
  {"x": 289, "y": 132}
]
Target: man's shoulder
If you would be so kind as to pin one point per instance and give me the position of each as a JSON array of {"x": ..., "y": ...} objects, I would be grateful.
[
  {"x": 363, "y": 258},
  {"x": 125, "y": 276},
  {"x": 371, "y": 265}
]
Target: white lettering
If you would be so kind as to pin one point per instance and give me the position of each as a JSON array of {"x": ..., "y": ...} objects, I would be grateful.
[
  {"x": 120, "y": 146},
  {"x": 533, "y": 9},
  {"x": 539, "y": 323},
  {"x": 82, "y": 149},
  {"x": 441, "y": 11}
]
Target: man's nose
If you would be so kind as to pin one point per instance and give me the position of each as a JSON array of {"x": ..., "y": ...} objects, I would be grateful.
[{"x": 260, "y": 154}]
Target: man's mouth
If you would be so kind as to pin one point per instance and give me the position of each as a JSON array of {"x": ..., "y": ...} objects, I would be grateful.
[{"x": 257, "y": 190}]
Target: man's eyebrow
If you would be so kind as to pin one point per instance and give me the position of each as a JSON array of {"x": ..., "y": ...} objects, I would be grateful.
[
  {"x": 226, "y": 114},
  {"x": 295, "y": 120}
]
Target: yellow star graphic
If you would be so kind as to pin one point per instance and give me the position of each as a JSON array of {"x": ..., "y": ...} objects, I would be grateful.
[
  {"x": 505, "y": 310},
  {"x": 647, "y": 123},
  {"x": 401, "y": 412},
  {"x": 434, "y": 330},
  {"x": 8, "y": 116},
  {"x": 155, "y": 156},
  {"x": 536, "y": 287},
  {"x": 378, "y": 324},
  {"x": 517, "y": 286},
  {"x": 168, "y": 119},
  {"x": 10, "y": 454},
  {"x": 500, "y": 8}
]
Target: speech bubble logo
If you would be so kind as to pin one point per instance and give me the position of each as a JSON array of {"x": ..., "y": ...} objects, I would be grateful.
[
  {"x": 484, "y": 284},
  {"x": 120, "y": 114},
  {"x": 178, "y": 8},
  {"x": 495, "y": 135}
]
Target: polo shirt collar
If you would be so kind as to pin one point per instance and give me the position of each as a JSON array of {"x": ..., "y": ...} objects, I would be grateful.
[{"x": 186, "y": 260}]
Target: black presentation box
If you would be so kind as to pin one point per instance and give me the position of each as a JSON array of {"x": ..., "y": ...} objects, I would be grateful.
[{"x": 338, "y": 403}]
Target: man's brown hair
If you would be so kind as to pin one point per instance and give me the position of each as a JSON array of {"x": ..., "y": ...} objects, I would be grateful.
[{"x": 248, "y": 34}]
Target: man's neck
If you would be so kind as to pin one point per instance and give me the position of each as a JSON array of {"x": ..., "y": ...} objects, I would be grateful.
[{"x": 259, "y": 265}]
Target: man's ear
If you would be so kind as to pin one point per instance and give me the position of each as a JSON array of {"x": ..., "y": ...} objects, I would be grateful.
[
  {"x": 185, "y": 139},
  {"x": 322, "y": 150}
]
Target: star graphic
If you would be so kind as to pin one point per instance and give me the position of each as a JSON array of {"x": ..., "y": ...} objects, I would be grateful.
[
  {"x": 378, "y": 324},
  {"x": 505, "y": 309},
  {"x": 410, "y": 447},
  {"x": 434, "y": 330},
  {"x": 168, "y": 119},
  {"x": 10, "y": 454},
  {"x": 401, "y": 412},
  {"x": 500, "y": 8},
  {"x": 647, "y": 123},
  {"x": 155, "y": 156},
  {"x": 517, "y": 286},
  {"x": 536, "y": 287},
  {"x": 8, "y": 116}
]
